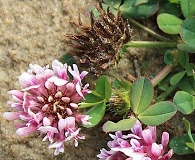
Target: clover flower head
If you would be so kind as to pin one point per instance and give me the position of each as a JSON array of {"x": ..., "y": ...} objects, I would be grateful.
[
  {"x": 138, "y": 145},
  {"x": 48, "y": 103},
  {"x": 96, "y": 45}
]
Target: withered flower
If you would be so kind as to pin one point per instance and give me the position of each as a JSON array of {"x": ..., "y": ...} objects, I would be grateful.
[{"x": 97, "y": 45}]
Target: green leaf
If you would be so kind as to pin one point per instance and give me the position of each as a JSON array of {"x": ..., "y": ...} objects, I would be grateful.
[
  {"x": 158, "y": 113},
  {"x": 183, "y": 59},
  {"x": 69, "y": 59},
  {"x": 185, "y": 102},
  {"x": 177, "y": 77},
  {"x": 141, "y": 94},
  {"x": 174, "y": 1},
  {"x": 169, "y": 23},
  {"x": 141, "y": 11},
  {"x": 186, "y": 47},
  {"x": 86, "y": 105},
  {"x": 188, "y": 129},
  {"x": 168, "y": 58},
  {"x": 187, "y": 84},
  {"x": 187, "y": 31},
  {"x": 91, "y": 99},
  {"x": 113, "y": 3},
  {"x": 96, "y": 113},
  {"x": 103, "y": 87},
  {"x": 118, "y": 84},
  {"x": 191, "y": 145},
  {"x": 170, "y": 8},
  {"x": 178, "y": 144},
  {"x": 190, "y": 67},
  {"x": 188, "y": 8},
  {"x": 122, "y": 125},
  {"x": 138, "y": 2}
]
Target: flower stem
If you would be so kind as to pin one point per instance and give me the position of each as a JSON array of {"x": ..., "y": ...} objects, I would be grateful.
[
  {"x": 161, "y": 75},
  {"x": 150, "y": 44},
  {"x": 149, "y": 31}
]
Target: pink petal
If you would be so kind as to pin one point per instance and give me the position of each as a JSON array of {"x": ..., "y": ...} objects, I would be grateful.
[
  {"x": 78, "y": 89},
  {"x": 123, "y": 143},
  {"x": 57, "y": 81},
  {"x": 65, "y": 99},
  {"x": 26, "y": 130},
  {"x": 45, "y": 129},
  {"x": 168, "y": 155},
  {"x": 85, "y": 90},
  {"x": 147, "y": 135},
  {"x": 156, "y": 149},
  {"x": 56, "y": 65},
  {"x": 83, "y": 74},
  {"x": 36, "y": 68},
  {"x": 75, "y": 72},
  {"x": 165, "y": 139},
  {"x": 41, "y": 90},
  {"x": 58, "y": 150},
  {"x": 56, "y": 144},
  {"x": 135, "y": 144},
  {"x": 118, "y": 134},
  {"x": 70, "y": 89},
  {"x": 49, "y": 85},
  {"x": 17, "y": 94},
  {"x": 74, "y": 105},
  {"x": 47, "y": 121},
  {"x": 11, "y": 115},
  {"x": 137, "y": 129},
  {"x": 69, "y": 111},
  {"x": 60, "y": 70},
  {"x": 44, "y": 108},
  {"x": 37, "y": 117},
  {"x": 63, "y": 124},
  {"x": 83, "y": 118},
  {"x": 16, "y": 125},
  {"x": 58, "y": 94},
  {"x": 76, "y": 98},
  {"x": 153, "y": 130},
  {"x": 131, "y": 153}
]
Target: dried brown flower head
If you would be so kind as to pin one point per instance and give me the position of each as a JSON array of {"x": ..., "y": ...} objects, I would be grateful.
[{"x": 97, "y": 45}]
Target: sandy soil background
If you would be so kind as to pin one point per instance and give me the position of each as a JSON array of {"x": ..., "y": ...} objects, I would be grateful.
[{"x": 32, "y": 31}]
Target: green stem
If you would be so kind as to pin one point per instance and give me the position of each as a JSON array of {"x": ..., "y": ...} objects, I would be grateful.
[
  {"x": 161, "y": 75},
  {"x": 149, "y": 31},
  {"x": 166, "y": 93},
  {"x": 151, "y": 44}
]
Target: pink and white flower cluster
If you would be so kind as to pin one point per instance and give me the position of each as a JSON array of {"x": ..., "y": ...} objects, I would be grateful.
[
  {"x": 138, "y": 145},
  {"x": 48, "y": 103}
]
